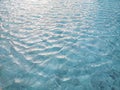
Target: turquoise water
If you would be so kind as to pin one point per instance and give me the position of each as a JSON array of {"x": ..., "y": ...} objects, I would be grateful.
[{"x": 59, "y": 44}]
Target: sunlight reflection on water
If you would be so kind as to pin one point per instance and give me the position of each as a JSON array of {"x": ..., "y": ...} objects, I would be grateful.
[{"x": 59, "y": 45}]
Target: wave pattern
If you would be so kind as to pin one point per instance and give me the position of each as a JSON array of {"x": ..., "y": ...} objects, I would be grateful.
[{"x": 59, "y": 45}]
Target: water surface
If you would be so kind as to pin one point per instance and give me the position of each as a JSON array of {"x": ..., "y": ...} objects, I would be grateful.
[{"x": 59, "y": 44}]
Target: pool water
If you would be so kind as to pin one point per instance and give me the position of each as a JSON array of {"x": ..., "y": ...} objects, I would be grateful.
[{"x": 59, "y": 44}]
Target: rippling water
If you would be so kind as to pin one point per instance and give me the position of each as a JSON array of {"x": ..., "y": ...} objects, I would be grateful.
[{"x": 59, "y": 44}]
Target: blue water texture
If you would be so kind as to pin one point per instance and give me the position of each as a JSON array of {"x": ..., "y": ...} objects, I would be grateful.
[{"x": 59, "y": 44}]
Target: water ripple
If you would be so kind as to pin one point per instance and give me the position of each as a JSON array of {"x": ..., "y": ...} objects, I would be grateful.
[{"x": 59, "y": 45}]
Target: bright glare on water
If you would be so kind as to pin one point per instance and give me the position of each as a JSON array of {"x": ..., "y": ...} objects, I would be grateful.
[{"x": 59, "y": 44}]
